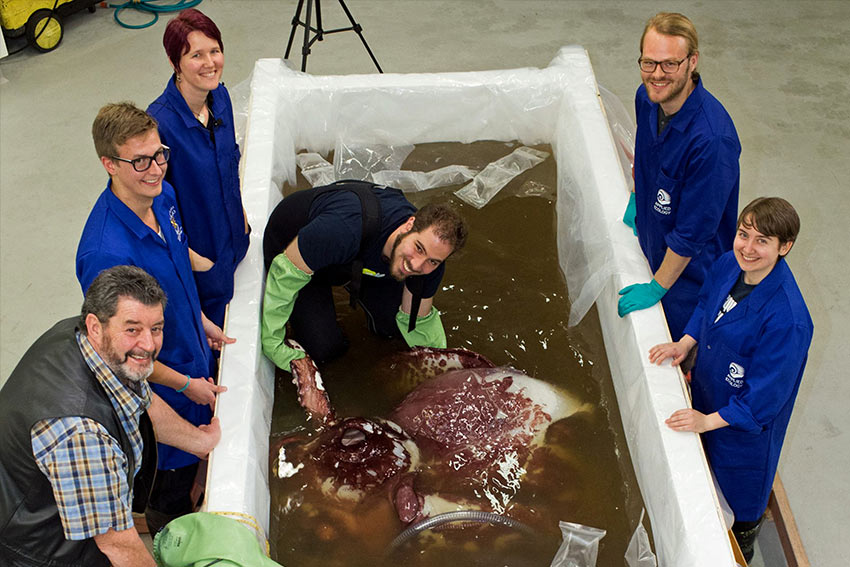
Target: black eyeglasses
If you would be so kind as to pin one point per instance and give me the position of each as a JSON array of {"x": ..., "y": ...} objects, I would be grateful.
[
  {"x": 143, "y": 163},
  {"x": 648, "y": 65}
]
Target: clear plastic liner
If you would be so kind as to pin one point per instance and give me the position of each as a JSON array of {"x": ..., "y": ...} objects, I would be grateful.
[
  {"x": 410, "y": 181},
  {"x": 240, "y": 96},
  {"x": 496, "y": 175},
  {"x": 579, "y": 547},
  {"x": 363, "y": 160},
  {"x": 639, "y": 552},
  {"x": 623, "y": 129},
  {"x": 315, "y": 169}
]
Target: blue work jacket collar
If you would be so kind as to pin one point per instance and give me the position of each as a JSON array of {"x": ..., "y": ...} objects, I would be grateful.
[
  {"x": 685, "y": 115},
  {"x": 178, "y": 103},
  {"x": 757, "y": 299},
  {"x": 130, "y": 219}
]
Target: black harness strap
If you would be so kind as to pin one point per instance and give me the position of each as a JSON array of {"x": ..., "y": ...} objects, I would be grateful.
[
  {"x": 371, "y": 215},
  {"x": 414, "y": 285}
]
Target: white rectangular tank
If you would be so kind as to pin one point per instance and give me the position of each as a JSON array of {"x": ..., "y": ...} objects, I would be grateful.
[{"x": 560, "y": 105}]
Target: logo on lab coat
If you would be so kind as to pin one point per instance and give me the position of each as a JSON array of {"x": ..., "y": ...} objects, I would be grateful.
[
  {"x": 178, "y": 230},
  {"x": 662, "y": 202},
  {"x": 735, "y": 376}
]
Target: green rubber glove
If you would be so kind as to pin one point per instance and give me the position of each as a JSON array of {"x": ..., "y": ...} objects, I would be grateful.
[
  {"x": 282, "y": 286},
  {"x": 631, "y": 212},
  {"x": 639, "y": 296},
  {"x": 428, "y": 332},
  {"x": 201, "y": 539}
]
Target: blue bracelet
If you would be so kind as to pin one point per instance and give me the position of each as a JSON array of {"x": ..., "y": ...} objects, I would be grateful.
[{"x": 186, "y": 385}]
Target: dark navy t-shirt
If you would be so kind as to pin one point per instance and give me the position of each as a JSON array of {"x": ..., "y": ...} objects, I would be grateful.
[{"x": 332, "y": 236}]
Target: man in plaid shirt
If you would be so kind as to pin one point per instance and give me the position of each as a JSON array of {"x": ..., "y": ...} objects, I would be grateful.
[{"x": 76, "y": 417}]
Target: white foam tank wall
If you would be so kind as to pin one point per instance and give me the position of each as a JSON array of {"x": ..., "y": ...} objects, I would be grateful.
[{"x": 290, "y": 111}]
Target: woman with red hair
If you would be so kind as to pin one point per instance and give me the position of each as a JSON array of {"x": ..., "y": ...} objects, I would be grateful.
[{"x": 195, "y": 118}]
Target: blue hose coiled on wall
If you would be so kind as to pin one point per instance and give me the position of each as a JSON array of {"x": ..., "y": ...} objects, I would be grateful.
[{"x": 152, "y": 7}]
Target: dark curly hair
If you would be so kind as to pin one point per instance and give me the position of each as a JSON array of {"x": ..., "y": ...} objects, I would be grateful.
[{"x": 448, "y": 225}]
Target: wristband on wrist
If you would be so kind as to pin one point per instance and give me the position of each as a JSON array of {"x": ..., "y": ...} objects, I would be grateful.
[{"x": 186, "y": 385}]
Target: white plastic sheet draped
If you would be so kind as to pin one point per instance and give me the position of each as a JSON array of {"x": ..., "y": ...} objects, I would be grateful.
[{"x": 291, "y": 111}]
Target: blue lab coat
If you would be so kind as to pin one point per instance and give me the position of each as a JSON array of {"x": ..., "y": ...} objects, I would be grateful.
[
  {"x": 114, "y": 235},
  {"x": 686, "y": 192},
  {"x": 748, "y": 369},
  {"x": 204, "y": 170}
]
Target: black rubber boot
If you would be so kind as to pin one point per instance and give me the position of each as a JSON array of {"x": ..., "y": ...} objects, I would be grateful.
[
  {"x": 745, "y": 534},
  {"x": 157, "y": 520}
]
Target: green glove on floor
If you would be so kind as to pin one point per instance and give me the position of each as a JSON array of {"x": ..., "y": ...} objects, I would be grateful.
[
  {"x": 639, "y": 296},
  {"x": 631, "y": 212},
  {"x": 282, "y": 286},
  {"x": 201, "y": 539},
  {"x": 428, "y": 332}
]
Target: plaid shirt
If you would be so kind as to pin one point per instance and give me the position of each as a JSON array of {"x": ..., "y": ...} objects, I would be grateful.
[{"x": 85, "y": 465}]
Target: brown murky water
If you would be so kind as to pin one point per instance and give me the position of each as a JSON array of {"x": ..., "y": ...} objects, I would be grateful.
[{"x": 505, "y": 297}]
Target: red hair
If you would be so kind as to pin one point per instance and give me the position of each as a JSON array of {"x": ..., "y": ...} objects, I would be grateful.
[{"x": 176, "y": 36}]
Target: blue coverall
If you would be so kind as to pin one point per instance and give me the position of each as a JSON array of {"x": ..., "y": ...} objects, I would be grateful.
[
  {"x": 748, "y": 369},
  {"x": 113, "y": 236},
  {"x": 686, "y": 192},
  {"x": 204, "y": 170}
]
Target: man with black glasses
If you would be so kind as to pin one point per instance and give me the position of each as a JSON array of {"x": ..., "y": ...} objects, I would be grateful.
[
  {"x": 135, "y": 221},
  {"x": 685, "y": 202}
]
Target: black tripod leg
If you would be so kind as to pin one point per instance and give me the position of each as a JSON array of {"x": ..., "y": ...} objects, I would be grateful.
[
  {"x": 294, "y": 27},
  {"x": 356, "y": 27},
  {"x": 305, "y": 50},
  {"x": 319, "y": 31},
  {"x": 369, "y": 51}
]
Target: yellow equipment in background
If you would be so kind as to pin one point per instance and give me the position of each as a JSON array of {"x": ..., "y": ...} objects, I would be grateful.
[{"x": 40, "y": 20}]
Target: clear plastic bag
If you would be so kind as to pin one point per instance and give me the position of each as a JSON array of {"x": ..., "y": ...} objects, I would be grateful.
[
  {"x": 639, "y": 552},
  {"x": 533, "y": 188},
  {"x": 496, "y": 175},
  {"x": 315, "y": 169},
  {"x": 352, "y": 161},
  {"x": 409, "y": 181},
  {"x": 579, "y": 547}
]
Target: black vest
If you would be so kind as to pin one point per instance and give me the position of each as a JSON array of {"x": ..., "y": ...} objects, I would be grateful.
[
  {"x": 277, "y": 238},
  {"x": 52, "y": 380}
]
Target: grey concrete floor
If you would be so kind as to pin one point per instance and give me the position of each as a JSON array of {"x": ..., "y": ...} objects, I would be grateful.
[{"x": 780, "y": 67}]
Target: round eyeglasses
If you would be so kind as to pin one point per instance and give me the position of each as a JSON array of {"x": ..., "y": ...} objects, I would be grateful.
[
  {"x": 648, "y": 65},
  {"x": 143, "y": 163}
]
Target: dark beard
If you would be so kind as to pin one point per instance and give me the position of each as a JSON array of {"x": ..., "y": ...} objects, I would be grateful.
[{"x": 391, "y": 259}]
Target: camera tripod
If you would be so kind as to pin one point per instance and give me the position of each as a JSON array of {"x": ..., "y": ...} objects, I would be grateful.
[{"x": 319, "y": 33}]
